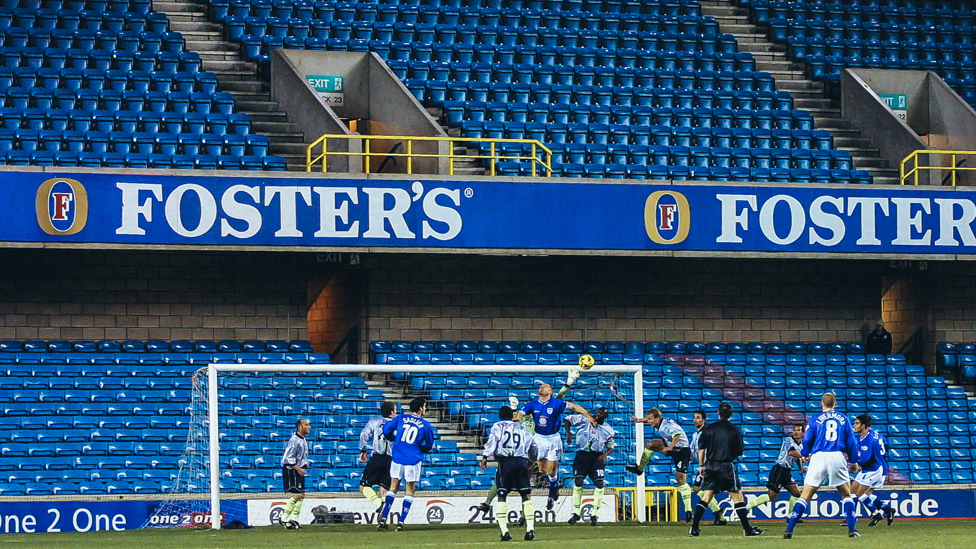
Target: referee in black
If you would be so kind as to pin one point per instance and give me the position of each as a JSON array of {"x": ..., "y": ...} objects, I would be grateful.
[{"x": 719, "y": 446}]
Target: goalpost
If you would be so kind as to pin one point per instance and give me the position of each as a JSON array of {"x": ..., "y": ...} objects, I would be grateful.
[{"x": 201, "y": 472}]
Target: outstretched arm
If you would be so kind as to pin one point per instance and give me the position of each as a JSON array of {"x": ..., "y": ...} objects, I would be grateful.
[{"x": 581, "y": 410}]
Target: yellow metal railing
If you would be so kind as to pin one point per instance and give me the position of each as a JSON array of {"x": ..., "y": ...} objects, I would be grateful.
[
  {"x": 952, "y": 167},
  {"x": 661, "y": 504},
  {"x": 540, "y": 156}
]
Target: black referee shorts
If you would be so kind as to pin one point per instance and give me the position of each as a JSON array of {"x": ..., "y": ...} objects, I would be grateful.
[
  {"x": 512, "y": 475},
  {"x": 294, "y": 482},
  {"x": 779, "y": 478},
  {"x": 720, "y": 477},
  {"x": 681, "y": 458},
  {"x": 377, "y": 471},
  {"x": 587, "y": 464}
]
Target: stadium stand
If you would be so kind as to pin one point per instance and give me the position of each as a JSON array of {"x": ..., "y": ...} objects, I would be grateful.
[
  {"x": 111, "y": 417},
  {"x": 106, "y": 84},
  {"x": 619, "y": 89},
  {"x": 916, "y": 35}
]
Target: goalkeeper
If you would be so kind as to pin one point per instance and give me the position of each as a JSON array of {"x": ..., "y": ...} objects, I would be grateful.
[
  {"x": 376, "y": 452},
  {"x": 528, "y": 422}
]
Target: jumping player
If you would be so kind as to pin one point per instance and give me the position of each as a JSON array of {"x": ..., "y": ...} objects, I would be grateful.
[
  {"x": 375, "y": 452},
  {"x": 872, "y": 469},
  {"x": 293, "y": 464},
  {"x": 412, "y": 437},
  {"x": 547, "y": 414},
  {"x": 827, "y": 439},
  {"x": 781, "y": 475},
  {"x": 594, "y": 443},
  {"x": 678, "y": 449},
  {"x": 510, "y": 443}
]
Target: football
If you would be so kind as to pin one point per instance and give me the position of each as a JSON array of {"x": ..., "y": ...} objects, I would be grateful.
[{"x": 586, "y": 362}]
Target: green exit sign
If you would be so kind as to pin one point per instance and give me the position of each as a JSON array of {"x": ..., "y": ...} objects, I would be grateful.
[
  {"x": 326, "y": 84},
  {"x": 895, "y": 101}
]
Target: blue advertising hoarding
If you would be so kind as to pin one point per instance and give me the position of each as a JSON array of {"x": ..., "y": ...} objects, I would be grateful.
[
  {"x": 910, "y": 503},
  {"x": 146, "y": 209}
]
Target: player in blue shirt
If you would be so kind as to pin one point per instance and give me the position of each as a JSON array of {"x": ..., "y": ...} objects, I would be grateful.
[
  {"x": 412, "y": 437},
  {"x": 547, "y": 412},
  {"x": 872, "y": 469},
  {"x": 828, "y": 442}
]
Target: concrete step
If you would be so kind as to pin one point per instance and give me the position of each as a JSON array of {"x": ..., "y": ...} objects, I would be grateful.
[
  {"x": 230, "y": 66},
  {"x": 746, "y": 37},
  {"x": 275, "y": 116},
  {"x": 785, "y": 74},
  {"x": 244, "y": 86},
  {"x": 762, "y": 47},
  {"x": 262, "y": 126},
  {"x": 811, "y": 103},
  {"x": 730, "y": 17},
  {"x": 250, "y": 96},
  {"x": 851, "y": 143},
  {"x": 831, "y": 123},
  {"x": 470, "y": 171},
  {"x": 825, "y": 113},
  {"x": 216, "y": 45},
  {"x": 257, "y": 106},
  {"x": 197, "y": 30},
  {"x": 279, "y": 148},
  {"x": 869, "y": 162},
  {"x": 778, "y": 65},
  {"x": 232, "y": 75},
  {"x": 209, "y": 56},
  {"x": 800, "y": 85},
  {"x": 744, "y": 29},
  {"x": 188, "y": 17},
  {"x": 174, "y": 7},
  {"x": 843, "y": 132},
  {"x": 290, "y": 137},
  {"x": 864, "y": 152}
]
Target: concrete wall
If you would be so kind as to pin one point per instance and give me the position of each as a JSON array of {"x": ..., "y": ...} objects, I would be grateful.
[
  {"x": 337, "y": 308},
  {"x": 73, "y": 295}
]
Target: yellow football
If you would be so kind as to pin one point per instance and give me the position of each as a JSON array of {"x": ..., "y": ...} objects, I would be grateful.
[{"x": 586, "y": 362}]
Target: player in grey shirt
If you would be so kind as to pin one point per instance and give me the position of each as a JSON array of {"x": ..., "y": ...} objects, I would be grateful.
[
  {"x": 510, "y": 444},
  {"x": 781, "y": 475},
  {"x": 594, "y": 439},
  {"x": 376, "y": 451},
  {"x": 678, "y": 449},
  {"x": 293, "y": 464}
]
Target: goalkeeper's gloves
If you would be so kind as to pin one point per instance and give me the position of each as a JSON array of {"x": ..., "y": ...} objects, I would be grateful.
[
  {"x": 572, "y": 375},
  {"x": 513, "y": 402}
]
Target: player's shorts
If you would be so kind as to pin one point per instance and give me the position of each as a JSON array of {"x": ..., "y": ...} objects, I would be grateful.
[
  {"x": 512, "y": 475},
  {"x": 377, "y": 471},
  {"x": 871, "y": 479},
  {"x": 550, "y": 447},
  {"x": 587, "y": 464},
  {"x": 829, "y": 466},
  {"x": 407, "y": 473},
  {"x": 293, "y": 481},
  {"x": 720, "y": 477},
  {"x": 779, "y": 478},
  {"x": 681, "y": 458}
]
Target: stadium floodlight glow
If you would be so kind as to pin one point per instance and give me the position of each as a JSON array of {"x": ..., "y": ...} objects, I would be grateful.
[{"x": 212, "y": 398}]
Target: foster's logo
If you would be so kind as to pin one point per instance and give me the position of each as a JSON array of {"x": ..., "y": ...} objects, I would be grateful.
[
  {"x": 667, "y": 217},
  {"x": 61, "y": 206}
]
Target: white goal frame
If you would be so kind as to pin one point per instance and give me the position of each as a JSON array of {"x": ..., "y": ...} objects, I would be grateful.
[{"x": 213, "y": 370}]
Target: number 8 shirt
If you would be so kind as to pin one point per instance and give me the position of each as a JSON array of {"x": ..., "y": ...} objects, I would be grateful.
[{"x": 827, "y": 439}]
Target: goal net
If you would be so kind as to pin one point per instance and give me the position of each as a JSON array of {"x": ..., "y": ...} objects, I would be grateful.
[{"x": 243, "y": 415}]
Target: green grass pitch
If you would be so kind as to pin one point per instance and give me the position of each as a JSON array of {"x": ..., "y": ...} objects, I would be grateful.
[{"x": 905, "y": 534}]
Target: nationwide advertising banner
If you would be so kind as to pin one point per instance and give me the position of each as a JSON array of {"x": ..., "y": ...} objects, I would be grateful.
[
  {"x": 914, "y": 504},
  {"x": 541, "y": 215},
  {"x": 432, "y": 510}
]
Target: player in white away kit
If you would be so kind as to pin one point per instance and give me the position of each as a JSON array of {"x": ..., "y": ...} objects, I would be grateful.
[
  {"x": 376, "y": 452},
  {"x": 510, "y": 444},
  {"x": 827, "y": 439},
  {"x": 594, "y": 443},
  {"x": 678, "y": 449},
  {"x": 293, "y": 464}
]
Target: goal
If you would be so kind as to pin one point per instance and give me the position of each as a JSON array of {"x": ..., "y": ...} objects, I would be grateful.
[{"x": 243, "y": 414}]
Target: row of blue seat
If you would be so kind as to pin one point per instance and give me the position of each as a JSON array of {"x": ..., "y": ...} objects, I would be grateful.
[
  {"x": 138, "y": 160},
  {"x": 765, "y": 11},
  {"x": 57, "y": 120},
  {"x": 114, "y": 6},
  {"x": 782, "y": 29},
  {"x": 69, "y": 87},
  {"x": 156, "y": 346},
  {"x": 616, "y": 347},
  {"x": 555, "y": 15},
  {"x": 701, "y": 156},
  {"x": 102, "y": 143},
  {"x": 61, "y": 41},
  {"x": 74, "y": 19},
  {"x": 81, "y": 59},
  {"x": 689, "y": 173},
  {"x": 891, "y": 53}
]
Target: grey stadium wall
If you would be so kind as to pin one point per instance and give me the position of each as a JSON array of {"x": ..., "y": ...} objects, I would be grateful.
[{"x": 120, "y": 294}]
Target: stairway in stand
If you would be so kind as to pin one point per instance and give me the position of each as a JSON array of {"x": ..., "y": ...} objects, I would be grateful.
[
  {"x": 807, "y": 94},
  {"x": 237, "y": 77}
]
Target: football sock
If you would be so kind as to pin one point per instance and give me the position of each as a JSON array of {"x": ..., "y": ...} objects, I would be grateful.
[
  {"x": 685, "y": 492},
  {"x": 297, "y": 510},
  {"x": 492, "y": 493},
  {"x": 553, "y": 486},
  {"x": 716, "y": 508},
  {"x": 501, "y": 516},
  {"x": 577, "y": 499},
  {"x": 288, "y": 509},
  {"x": 699, "y": 513},
  {"x": 850, "y": 511},
  {"x": 372, "y": 496},
  {"x": 390, "y": 496},
  {"x": 758, "y": 501},
  {"x": 407, "y": 502},
  {"x": 865, "y": 500},
  {"x": 528, "y": 511},
  {"x": 597, "y": 499},
  {"x": 798, "y": 510},
  {"x": 645, "y": 459},
  {"x": 792, "y": 503},
  {"x": 740, "y": 509}
]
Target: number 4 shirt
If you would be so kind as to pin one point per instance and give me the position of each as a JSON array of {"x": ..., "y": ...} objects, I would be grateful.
[{"x": 412, "y": 437}]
